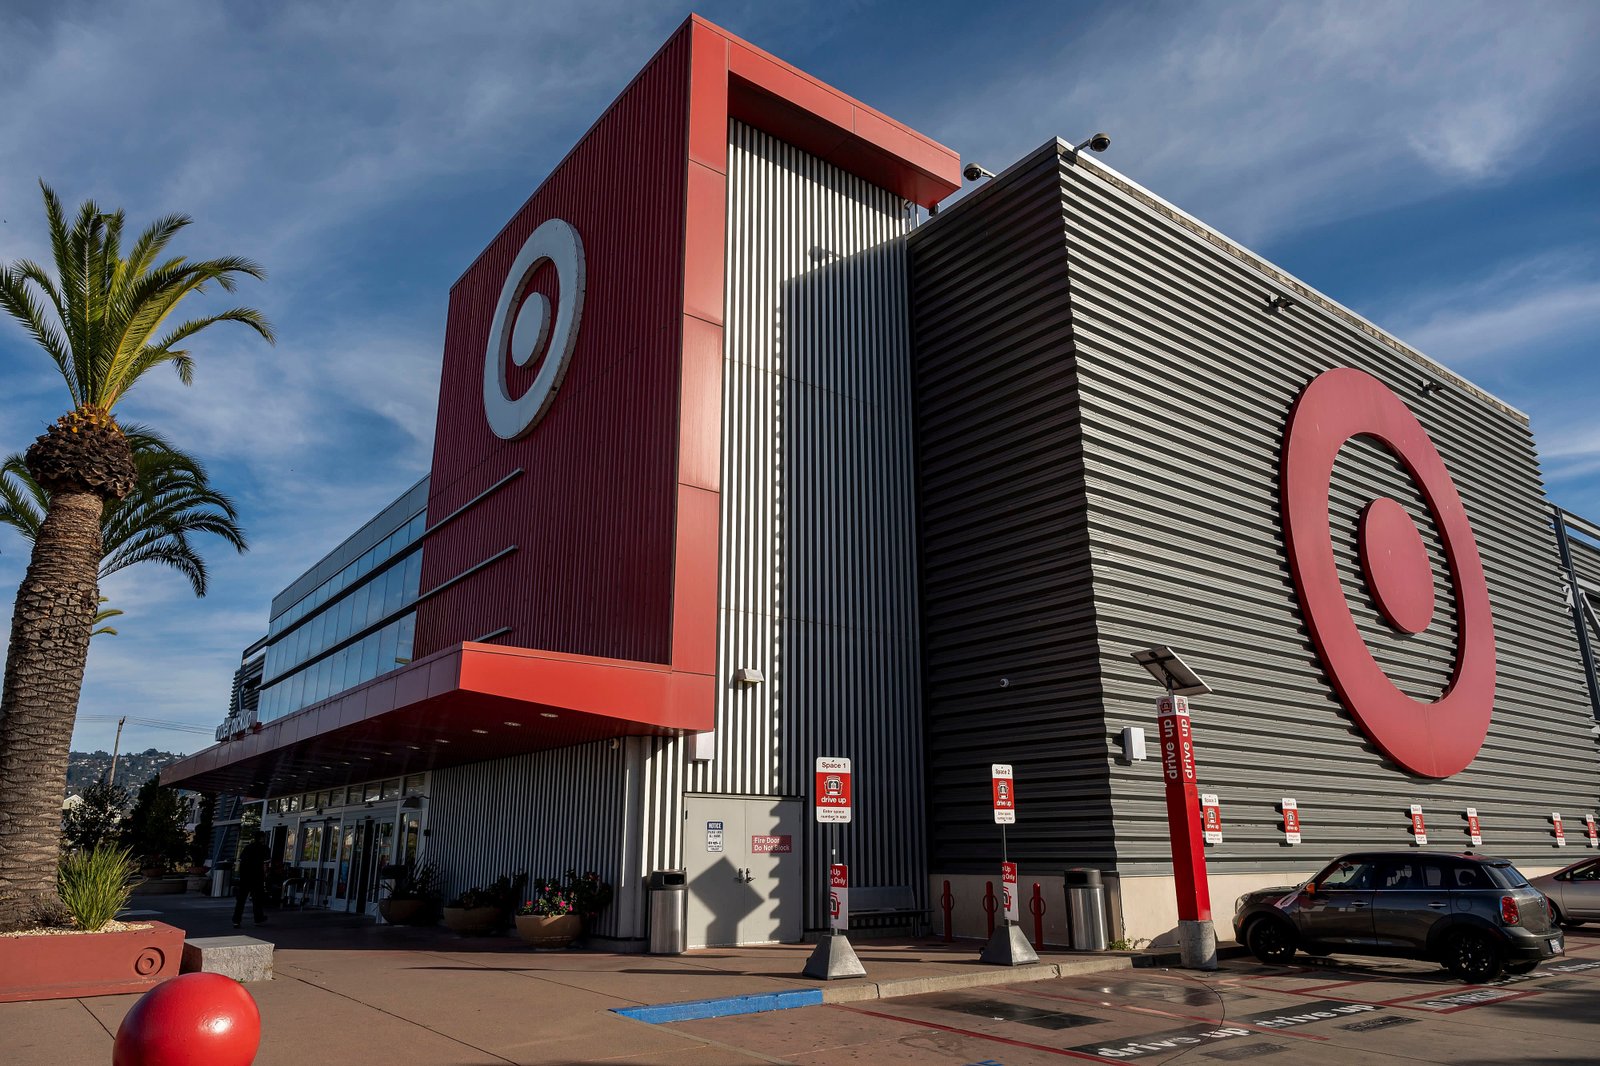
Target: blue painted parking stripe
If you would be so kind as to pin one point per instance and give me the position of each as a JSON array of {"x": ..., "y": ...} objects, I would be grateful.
[{"x": 695, "y": 1009}]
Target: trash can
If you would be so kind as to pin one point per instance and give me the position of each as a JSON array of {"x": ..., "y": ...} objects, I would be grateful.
[
  {"x": 221, "y": 880},
  {"x": 1086, "y": 909},
  {"x": 668, "y": 892}
]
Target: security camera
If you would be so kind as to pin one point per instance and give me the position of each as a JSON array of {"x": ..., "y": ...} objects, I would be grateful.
[
  {"x": 973, "y": 172},
  {"x": 1098, "y": 143}
]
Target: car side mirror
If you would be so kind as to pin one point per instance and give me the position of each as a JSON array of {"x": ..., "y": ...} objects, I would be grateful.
[{"x": 1311, "y": 888}]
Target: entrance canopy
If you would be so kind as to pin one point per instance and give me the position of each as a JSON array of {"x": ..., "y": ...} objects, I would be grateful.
[{"x": 463, "y": 704}]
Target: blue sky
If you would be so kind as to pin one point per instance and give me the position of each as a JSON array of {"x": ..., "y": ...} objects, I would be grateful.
[{"x": 1435, "y": 167}]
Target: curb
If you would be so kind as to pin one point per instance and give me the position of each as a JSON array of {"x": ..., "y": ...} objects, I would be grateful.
[
  {"x": 728, "y": 1006},
  {"x": 1172, "y": 957}
]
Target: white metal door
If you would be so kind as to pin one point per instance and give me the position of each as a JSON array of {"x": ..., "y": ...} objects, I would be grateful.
[{"x": 742, "y": 860}]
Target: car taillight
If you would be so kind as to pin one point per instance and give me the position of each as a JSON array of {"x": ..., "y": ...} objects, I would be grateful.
[
  {"x": 1508, "y": 911},
  {"x": 1549, "y": 909}
]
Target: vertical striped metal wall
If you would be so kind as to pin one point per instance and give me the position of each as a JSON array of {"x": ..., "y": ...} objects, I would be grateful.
[
  {"x": 1183, "y": 383},
  {"x": 1011, "y": 659},
  {"x": 818, "y": 570},
  {"x": 611, "y": 807}
]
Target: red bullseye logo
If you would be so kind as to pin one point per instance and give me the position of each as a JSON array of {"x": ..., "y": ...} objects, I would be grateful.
[{"x": 1434, "y": 739}]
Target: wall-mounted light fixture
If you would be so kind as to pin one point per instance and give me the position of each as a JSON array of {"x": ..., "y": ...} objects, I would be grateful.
[
  {"x": 974, "y": 171},
  {"x": 749, "y": 675},
  {"x": 1133, "y": 748},
  {"x": 1278, "y": 303},
  {"x": 412, "y": 803},
  {"x": 1429, "y": 386}
]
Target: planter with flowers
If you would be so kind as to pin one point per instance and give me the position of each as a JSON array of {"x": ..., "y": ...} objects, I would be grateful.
[
  {"x": 555, "y": 913},
  {"x": 485, "y": 909}
]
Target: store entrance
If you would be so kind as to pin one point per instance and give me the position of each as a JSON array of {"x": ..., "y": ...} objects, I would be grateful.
[{"x": 373, "y": 849}]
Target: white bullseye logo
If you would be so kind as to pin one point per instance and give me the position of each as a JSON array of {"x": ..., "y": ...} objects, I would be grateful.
[{"x": 519, "y": 331}]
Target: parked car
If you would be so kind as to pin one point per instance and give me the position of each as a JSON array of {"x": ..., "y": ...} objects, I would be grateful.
[
  {"x": 1574, "y": 892},
  {"x": 1475, "y": 915}
]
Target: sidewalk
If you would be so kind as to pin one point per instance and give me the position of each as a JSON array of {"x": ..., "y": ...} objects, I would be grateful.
[{"x": 348, "y": 991}]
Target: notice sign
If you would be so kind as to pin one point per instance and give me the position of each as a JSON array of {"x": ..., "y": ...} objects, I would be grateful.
[
  {"x": 1593, "y": 830},
  {"x": 772, "y": 845},
  {"x": 1419, "y": 831},
  {"x": 833, "y": 789},
  {"x": 839, "y": 897},
  {"x": 1211, "y": 818},
  {"x": 1291, "y": 821},
  {"x": 713, "y": 836},
  {"x": 1474, "y": 830},
  {"x": 1008, "y": 891},
  {"x": 1561, "y": 834},
  {"x": 1005, "y": 793}
]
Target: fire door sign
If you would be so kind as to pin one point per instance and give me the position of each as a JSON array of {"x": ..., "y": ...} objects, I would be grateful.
[
  {"x": 1004, "y": 787},
  {"x": 1561, "y": 834},
  {"x": 1419, "y": 830},
  {"x": 1291, "y": 821},
  {"x": 839, "y": 897},
  {"x": 781, "y": 844},
  {"x": 1008, "y": 891},
  {"x": 1474, "y": 830},
  {"x": 1593, "y": 830},
  {"x": 1211, "y": 817},
  {"x": 833, "y": 789}
]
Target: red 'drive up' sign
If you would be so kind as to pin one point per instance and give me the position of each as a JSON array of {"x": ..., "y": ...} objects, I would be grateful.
[
  {"x": 1561, "y": 834},
  {"x": 833, "y": 789},
  {"x": 1474, "y": 830},
  {"x": 1594, "y": 833},
  {"x": 1291, "y": 821},
  {"x": 1211, "y": 817},
  {"x": 1419, "y": 831},
  {"x": 1004, "y": 787},
  {"x": 1008, "y": 891},
  {"x": 839, "y": 897}
]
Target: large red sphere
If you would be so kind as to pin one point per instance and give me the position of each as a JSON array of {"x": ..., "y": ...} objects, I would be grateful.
[{"x": 198, "y": 1019}]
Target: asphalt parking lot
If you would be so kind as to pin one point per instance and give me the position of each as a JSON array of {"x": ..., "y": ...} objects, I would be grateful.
[{"x": 1346, "y": 1010}]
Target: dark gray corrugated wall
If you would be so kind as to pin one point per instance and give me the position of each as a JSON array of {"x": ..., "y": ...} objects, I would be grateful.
[
  {"x": 1009, "y": 636},
  {"x": 1168, "y": 483}
]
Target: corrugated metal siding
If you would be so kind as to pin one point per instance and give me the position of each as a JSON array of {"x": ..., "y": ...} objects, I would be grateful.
[
  {"x": 1009, "y": 629},
  {"x": 817, "y": 582},
  {"x": 539, "y": 813},
  {"x": 1185, "y": 385},
  {"x": 593, "y": 514}
]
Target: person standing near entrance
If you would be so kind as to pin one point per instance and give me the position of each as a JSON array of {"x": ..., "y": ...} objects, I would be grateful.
[{"x": 251, "y": 879}]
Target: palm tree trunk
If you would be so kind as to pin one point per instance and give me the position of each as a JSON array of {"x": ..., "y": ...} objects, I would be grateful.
[{"x": 44, "y": 675}]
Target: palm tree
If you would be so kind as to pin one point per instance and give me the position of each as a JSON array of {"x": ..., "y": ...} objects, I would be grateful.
[
  {"x": 171, "y": 501},
  {"x": 100, "y": 320},
  {"x": 103, "y": 614}
]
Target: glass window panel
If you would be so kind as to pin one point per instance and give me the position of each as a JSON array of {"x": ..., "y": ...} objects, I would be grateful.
[
  {"x": 371, "y": 791},
  {"x": 358, "y": 607},
  {"x": 374, "y": 600},
  {"x": 345, "y": 625},
  {"x": 408, "y": 629},
  {"x": 369, "y": 658},
  {"x": 297, "y": 690},
  {"x": 289, "y": 839},
  {"x": 413, "y": 784},
  {"x": 388, "y": 647},
  {"x": 394, "y": 589},
  {"x": 413, "y": 575},
  {"x": 391, "y": 788}
]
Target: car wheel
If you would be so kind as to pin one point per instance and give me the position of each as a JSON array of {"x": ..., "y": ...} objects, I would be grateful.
[
  {"x": 1521, "y": 967},
  {"x": 1270, "y": 940},
  {"x": 1474, "y": 957},
  {"x": 1557, "y": 918}
]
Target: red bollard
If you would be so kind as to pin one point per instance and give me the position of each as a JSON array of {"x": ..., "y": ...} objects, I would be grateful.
[
  {"x": 948, "y": 902},
  {"x": 1036, "y": 907},
  {"x": 196, "y": 1019},
  {"x": 990, "y": 905}
]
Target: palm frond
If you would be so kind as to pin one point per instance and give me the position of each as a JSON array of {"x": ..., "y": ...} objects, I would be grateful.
[{"x": 22, "y": 502}]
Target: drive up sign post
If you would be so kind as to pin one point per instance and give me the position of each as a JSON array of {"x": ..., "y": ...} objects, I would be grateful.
[
  {"x": 833, "y": 957},
  {"x": 1008, "y": 946},
  {"x": 1197, "y": 937}
]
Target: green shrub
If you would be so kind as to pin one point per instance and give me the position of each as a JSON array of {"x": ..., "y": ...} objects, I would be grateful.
[{"x": 95, "y": 885}]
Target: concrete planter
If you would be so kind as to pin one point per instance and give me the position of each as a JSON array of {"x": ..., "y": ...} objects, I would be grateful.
[
  {"x": 161, "y": 886},
  {"x": 88, "y": 964},
  {"x": 473, "y": 921},
  {"x": 410, "y": 911},
  {"x": 549, "y": 933}
]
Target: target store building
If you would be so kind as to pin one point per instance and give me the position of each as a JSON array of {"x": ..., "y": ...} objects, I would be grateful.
[{"x": 746, "y": 455}]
